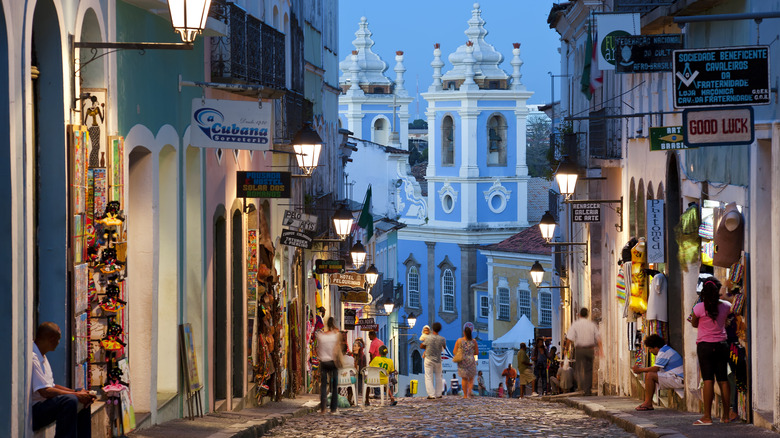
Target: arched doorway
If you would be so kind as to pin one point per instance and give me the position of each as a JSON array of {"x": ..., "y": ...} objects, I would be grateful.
[
  {"x": 50, "y": 185},
  {"x": 220, "y": 310},
  {"x": 168, "y": 281},
  {"x": 674, "y": 285},
  {"x": 237, "y": 294}
]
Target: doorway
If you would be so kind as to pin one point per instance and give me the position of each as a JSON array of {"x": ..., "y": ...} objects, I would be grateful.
[
  {"x": 237, "y": 295},
  {"x": 220, "y": 310}
]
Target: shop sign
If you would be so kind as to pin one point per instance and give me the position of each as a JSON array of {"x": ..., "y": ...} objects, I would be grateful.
[
  {"x": 718, "y": 127},
  {"x": 263, "y": 184},
  {"x": 350, "y": 295},
  {"x": 586, "y": 213},
  {"x": 296, "y": 239},
  {"x": 655, "y": 231},
  {"x": 611, "y": 26},
  {"x": 725, "y": 76},
  {"x": 667, "y": 138},
  {"x": 349, "y": 319},
  {"x": 299, "y": 221},
  {"x": 329, "y": 266},
  {"x": 646, "y": 53},
  {"x": 231, "y": 124},
  {"x": 369, "y": 328},
  {"x": 366, "y": 321},
  {"x": 347, "y": 279}
]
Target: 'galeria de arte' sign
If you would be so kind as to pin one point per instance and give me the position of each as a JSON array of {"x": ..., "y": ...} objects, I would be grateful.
[{"x": 231, "y": 124}]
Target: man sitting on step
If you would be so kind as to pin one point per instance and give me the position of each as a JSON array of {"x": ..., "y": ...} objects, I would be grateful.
[{"x": 667, "y": 372}]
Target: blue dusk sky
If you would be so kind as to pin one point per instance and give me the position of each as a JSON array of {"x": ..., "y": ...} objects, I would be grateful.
[{"x": 414, "y": 26}]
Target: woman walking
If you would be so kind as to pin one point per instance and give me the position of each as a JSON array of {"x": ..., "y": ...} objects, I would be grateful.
[
  {"x": 709, "y": 317},
  {"x": 467, "y": 368},
  {"x": 328, "y": 341}
]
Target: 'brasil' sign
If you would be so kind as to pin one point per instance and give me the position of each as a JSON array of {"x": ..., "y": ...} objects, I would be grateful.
[{"x": 230, "y": 124}]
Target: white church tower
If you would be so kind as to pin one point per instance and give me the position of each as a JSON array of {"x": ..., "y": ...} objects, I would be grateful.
[
  {"x": 373, "y": 107},
  {"x": 477, "y": 174}
]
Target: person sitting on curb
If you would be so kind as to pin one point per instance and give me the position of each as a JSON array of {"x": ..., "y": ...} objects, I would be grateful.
[
  {"x": 667, "y": 372},
  {"x": 382, "y": 361}
]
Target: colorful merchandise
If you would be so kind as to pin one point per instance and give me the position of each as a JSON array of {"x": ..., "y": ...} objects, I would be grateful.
[{"x": 638, "y": 298}]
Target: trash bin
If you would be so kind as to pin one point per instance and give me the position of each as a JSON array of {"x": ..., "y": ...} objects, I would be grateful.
[{"x": 413, "y": 387}]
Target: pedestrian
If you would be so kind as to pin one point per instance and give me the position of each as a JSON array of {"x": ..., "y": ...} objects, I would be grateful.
[
  {"x": 467, "y": 368},
  {"x": 510, "y": 374},
  {"x": 56, "y": 403},
  {"x": 552, "y": 366},
  {"x": 667, "y": 371},
  {"x": 539, "y": 358},
  {"x": 481, "y": 384},
  {"x": 386, "y": 363},
  {"x": 433, "y": 346},
  {"x": 500, "y": 392},
  {"x": 359, "y": 355},
  {"x": 584, "y": 335},
  {"x": 454, "y": 385},
  {"x": 524, "y": 375},
  {"x": 328, "y": 340},
  {"x": 373, "y": 346},
  {"x": 709, "y": 317}
]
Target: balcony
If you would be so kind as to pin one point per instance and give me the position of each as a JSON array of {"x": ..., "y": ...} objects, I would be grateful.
[
  {"x": 252, "y": 53},
  {"x": 290, "y": 112}
]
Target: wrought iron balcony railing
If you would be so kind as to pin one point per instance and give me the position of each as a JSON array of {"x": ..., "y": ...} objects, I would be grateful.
[{"x": 252, "y": 52}]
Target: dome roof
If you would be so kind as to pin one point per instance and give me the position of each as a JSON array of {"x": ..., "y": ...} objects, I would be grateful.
[
  {"x": 486, "y": 57},
  {"x": 370, "y": 65}
]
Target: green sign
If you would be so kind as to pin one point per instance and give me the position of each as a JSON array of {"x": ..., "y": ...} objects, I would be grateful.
[{"x": 666, "y": 138}]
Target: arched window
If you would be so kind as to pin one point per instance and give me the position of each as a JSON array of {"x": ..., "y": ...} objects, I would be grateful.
[
  {"x": 416, "y": 362},
  {"x": 524, "y": 304},
  {"x": 413, "y": 287},
  {"x": 503, "y": 303},
  {"x": 380, "y": 131},
  {"x": 496, "y": 135},
  {"x": 448, "y": 291},
  {"x": 447, "y": 142},
  {"x": 632, "y": 209},
  {"x": 545, "y": 309},
  {"x": 641, "y": 220}
]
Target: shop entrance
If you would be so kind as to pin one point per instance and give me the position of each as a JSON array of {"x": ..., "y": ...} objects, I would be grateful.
[
  {"x": 220, "y": 310},
  {"x": 237, "y": 295}
]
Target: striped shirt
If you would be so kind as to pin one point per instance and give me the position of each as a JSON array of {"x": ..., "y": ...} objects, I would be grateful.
[{"x": 670, "y": 361}]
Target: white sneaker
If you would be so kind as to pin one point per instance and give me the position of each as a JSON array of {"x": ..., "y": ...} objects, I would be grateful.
[{"x": 534, "y": 394}]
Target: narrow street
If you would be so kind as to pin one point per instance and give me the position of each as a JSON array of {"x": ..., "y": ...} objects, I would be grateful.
[{"x": 450, "y": 417}]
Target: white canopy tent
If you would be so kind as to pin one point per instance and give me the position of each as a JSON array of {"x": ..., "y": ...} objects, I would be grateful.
[{"x": 523, "y": 331}]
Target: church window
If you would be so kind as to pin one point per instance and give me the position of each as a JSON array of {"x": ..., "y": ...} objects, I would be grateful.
[
  {"x": 503, "y": 303},
  {"x": 448, "y": 291},
  {"x": 413, "y": 287},
  {"x": 497, "y": 139},
  {"x": 447, "y": 142},
  {"x": 524, "y": 304},
  {"x": 545, "y": 309}
]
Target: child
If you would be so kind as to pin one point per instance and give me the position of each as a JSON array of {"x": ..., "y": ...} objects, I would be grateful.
[
  {"x": 500, "y": 390},
  {"x": 382, "y": 361},
  {"x": 425, "y": 332},
  {"x": 455, "y": 384}
]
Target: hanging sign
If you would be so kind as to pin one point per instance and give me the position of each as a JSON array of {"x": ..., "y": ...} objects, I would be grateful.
[
  {"x": 667, "y": 138},
  {"x": 609, "y": 27},
  {"x": 348, "y": 279},
  {"x": 586, "y": 213},
  {"x": 299, "y": 221},
  {"x": 349, "y": 319},
  {"x": 231, "y": 124},
  {"x": 329, "y": 266},
  {"x": 263, "y": 184},
  {"x": 646, "y": 53},
  {"x": 655, "y": 231},
  {"x": 718, "y": 127},
  {"x": 296, "y": 239},
  {"x": 369, "y": 328},
  {"x": 721, "y": 77}
]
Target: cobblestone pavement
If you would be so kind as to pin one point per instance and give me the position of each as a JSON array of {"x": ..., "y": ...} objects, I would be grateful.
[{"x": 450, "y": 417}]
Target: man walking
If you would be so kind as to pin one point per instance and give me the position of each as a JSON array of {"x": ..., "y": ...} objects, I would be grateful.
[
  {"x": 51, "y": 402},
  {"x": 433, "y": 346},
  {"x": 510, "y": 374},
  {"x": 584, "y": 334}
]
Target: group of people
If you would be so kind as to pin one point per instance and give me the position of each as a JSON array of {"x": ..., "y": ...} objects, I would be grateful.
[
  {"x": 541, "y": 369},
  {"x": 464, "y": 354}
]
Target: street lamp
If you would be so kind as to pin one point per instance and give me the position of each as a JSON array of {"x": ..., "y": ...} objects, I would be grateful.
[
  {"x": 411, "y": 320},
  {"x": 547, "y": 226},
  {"x": 189, "y": 17},
  {"x": 358, "y": 253},
  {"x": 389, "y": 305},
  {"x": 342, "y": 222},
  {"x": 537, "y": 273},
  {"x": 566, "y": 176},
  {"x": 307, "y": 145},
  {"x": 372, "y": 275}
]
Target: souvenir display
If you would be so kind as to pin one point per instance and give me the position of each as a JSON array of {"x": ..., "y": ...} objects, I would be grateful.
[{"x": 638, "y": 298}]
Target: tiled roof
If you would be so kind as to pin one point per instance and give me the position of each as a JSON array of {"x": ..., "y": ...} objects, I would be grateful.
[{"x": 528, "y": 241}]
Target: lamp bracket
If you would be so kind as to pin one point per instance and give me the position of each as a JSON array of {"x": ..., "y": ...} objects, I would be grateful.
[
  {"x": 565, "y": 243},
  {"x": 552, "y": 287},
  {"x": 113, "y": 47}
]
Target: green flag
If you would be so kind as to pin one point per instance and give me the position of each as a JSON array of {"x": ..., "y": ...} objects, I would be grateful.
[
  {"x": 366, "y": 220},
  {"x": 585, "y": 81}
]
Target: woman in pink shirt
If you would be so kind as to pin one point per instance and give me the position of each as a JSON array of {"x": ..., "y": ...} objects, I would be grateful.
[{"x": 709, "y": 317}]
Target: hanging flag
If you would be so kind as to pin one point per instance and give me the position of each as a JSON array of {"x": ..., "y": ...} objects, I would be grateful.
[
  {"x": 591, "y": 75},
  {"x": 366, "y": 220}
]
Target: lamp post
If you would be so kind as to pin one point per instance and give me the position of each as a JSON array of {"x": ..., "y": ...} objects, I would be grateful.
[
  {"x": 358, "y": 253},
  {"x": 342, "y": 222},
  {"x": 307, "y": 145},
  {"x": 189, "y": 17}
]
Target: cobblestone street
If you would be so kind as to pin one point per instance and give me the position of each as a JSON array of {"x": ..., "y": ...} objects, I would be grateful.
[{"x": 452, "y": 416}]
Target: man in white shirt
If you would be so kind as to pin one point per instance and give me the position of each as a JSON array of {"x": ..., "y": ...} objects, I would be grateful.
[
  {"x": 584, "y": 334},
  {"x": 51, "y": 402}
]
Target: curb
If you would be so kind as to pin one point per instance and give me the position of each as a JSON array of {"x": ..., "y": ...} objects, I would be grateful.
[
  {"x": 265, "y": 426},
  {"x": 628, "y": 422}
]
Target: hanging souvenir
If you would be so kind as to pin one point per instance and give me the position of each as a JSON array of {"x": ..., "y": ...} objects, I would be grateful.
[
  {"x": 638, "y": 298},
  {"x": 729, "y": 237}
]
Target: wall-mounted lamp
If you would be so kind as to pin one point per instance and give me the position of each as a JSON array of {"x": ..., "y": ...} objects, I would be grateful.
[
  {"x": 189, "y": 17},
  {"x": 547, "y": 228},
  {"x": 342, "y": 222},
  {"x": 358, "y": 253},
  {"x": 537, "y": 273},
  {"x": 566, "y": 176},
  {"x": 372, "y": 275},
  {"x": 389, "y": 305},
  {"x": 307, "y": 145}
]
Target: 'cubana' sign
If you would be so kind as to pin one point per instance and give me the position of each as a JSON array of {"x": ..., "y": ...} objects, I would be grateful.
[{"x": 231, "y": 124}]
